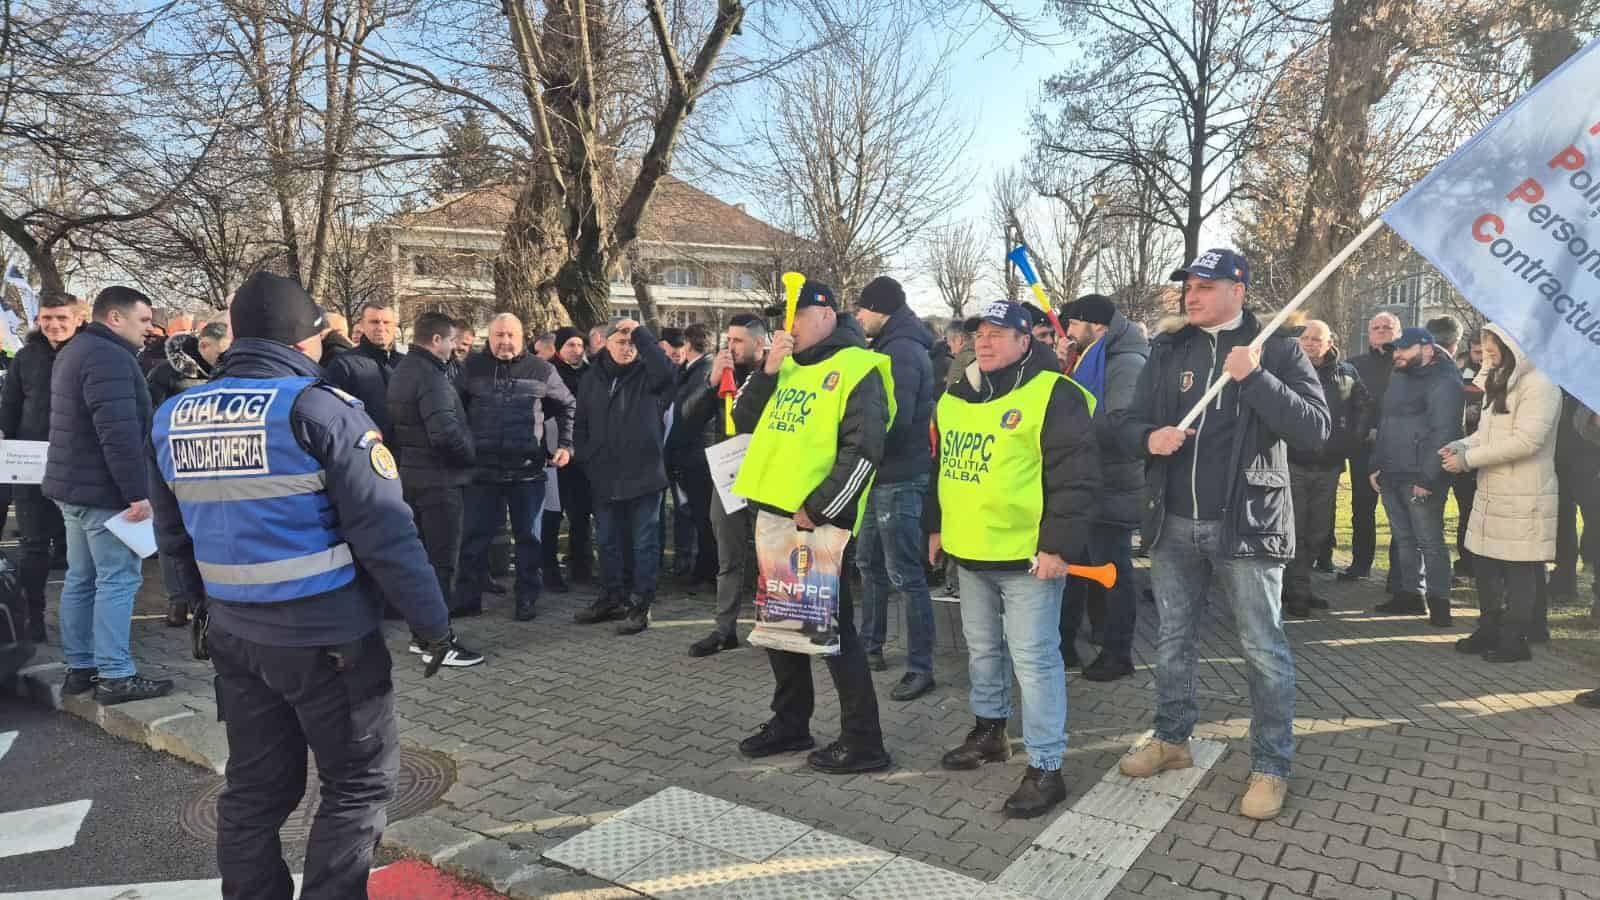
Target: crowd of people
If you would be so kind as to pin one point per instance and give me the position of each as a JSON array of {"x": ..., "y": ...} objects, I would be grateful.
[{"x": 286, "y": 454}]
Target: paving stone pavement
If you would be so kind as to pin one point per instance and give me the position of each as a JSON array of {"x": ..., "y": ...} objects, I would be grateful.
[{"x": 1420, "y": 772}]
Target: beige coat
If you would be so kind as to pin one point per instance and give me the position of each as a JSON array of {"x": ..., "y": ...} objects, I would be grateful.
[{"x": 1514, "y": 453}]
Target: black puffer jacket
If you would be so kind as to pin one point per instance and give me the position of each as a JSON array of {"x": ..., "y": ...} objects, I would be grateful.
[
  {"x": 1279, "y": 404},
  {"x": 906, "y": 341},
  {"x": 511, "y": 406},
  {"x": 430, "y": 437},
  {"x": 1375, "y": 367},
  {"x": 1126, "y": 351},
  {"x": 184, "y": 368},
  {"x": 1346, "y": 396},
  {"x": 99, "y": 422},
  {"x": 1071, "y": 453},
  {"x": 25, "y": 397},
  {"x": 364, "y": 373},
  {"x": 686, "y": 445},
  {"x": 702, "y": 404},
  {"x": 618, "y": 433},
  {"x": 861, "y": 432}
]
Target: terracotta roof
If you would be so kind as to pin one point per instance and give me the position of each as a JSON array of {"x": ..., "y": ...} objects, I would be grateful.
[{"x": 679, "y": 214}]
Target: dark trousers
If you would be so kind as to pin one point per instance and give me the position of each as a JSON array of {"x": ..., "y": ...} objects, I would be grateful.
[
  {"x": 277, "y": 703},
  {"x": 39, "y": 521},
  {"x": 794, "y": 695},
  {"x": 736, "y": 561},
  {"x": 576, "y": 506},
  {"x": 1314, "y": 491},
  {"x": 1570, "y": 545},
  {"x": 629, "y": 524},
  {"x": 1107, "y": 544},
  {"x": 1508, "y": 594},
  {"x": 486, "y": 508},
  {"x": 1363, "y": 515},
  {"x": 1466, "y": 490},
  {"x": 437, "y": 510},
  {"x": 697, "y": 487}
]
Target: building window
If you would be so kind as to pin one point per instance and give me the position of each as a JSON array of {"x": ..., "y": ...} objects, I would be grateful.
[
  {"x": 424, "y": 265},
  {"x": 679, "y": 276},
  {"x": 1405, "y": 291},
  {"x": 741, "y": 281}
]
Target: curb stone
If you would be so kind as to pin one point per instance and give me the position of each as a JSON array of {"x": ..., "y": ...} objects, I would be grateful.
[{"x": 185, "y": 726}]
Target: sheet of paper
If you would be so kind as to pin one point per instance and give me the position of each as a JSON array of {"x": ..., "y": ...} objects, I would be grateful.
[
  {"x": 139, "y": 536},
  {"x": 724, "y": 459},
  {"x": 22, "y": 462}
]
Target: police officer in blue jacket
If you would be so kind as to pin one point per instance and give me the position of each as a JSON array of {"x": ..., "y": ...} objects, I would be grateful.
[{"x": 277, "y": 500}]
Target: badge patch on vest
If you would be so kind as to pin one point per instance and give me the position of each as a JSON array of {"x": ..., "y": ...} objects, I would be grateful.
[
  {"x": 832, "y": 381},
  {"x": 368, "y": 439},
  {"x": 220, "y": 432},
  {"x": 383, "y": 462},
  {"x": 1185, "y": 381},
  {"x": 1011, "y": 419}
]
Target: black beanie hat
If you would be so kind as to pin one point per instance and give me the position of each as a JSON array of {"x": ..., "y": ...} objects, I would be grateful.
[
  {"x": 566, "y": 333},
  {"x": 274, "y": 308},
  {"x": 1096, "y": 309},
  {"x": 882, "y": 295}
]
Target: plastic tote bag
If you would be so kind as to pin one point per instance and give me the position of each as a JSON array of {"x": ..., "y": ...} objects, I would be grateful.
[{"x": 797, "y": 600}]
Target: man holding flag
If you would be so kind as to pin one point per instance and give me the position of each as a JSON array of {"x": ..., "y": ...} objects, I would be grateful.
[
  {"x": 1108, "y": 368},
  {"x": 1217, "y": 509}
]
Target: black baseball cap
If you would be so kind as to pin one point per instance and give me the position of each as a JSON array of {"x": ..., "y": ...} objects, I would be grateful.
[
  {"x": 275, "y": 308},
  {"x": 1217, "y": 263}
]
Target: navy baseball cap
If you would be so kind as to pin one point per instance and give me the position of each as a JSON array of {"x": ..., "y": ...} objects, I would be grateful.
[
  {"x": 815, "y": 293},
  {"x": 1006, "y": 315},
  {"x": 1218, "y": 263},
  {"x": 1411, "y": 337}
]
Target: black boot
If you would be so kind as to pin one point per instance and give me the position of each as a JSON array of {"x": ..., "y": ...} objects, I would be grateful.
[
  {"x": 607, "y": 607},
  {"x": 768, "y": 741},
  {"x": 177, "y": 615},
  {"x": 1511, "y": 647},
  {"x": 1485, "y": 636},
  {"x": 111, "y": 691},
  {"x": 837, "y": 759},
  {"x": 986, "y": 742},
  {"x": 1110, "y": 665},
  {"x": 525, "y": 611},
  {"x": 1403, "y": 603},
  {"x": 1039, "y": 793},
  {"x": 638, "y": 617},
  {"x": 36, "y": 633},
  {"x": 1296, "y": 608},
  {"x": 1439, "y": 612},
  {"x": 79, "y": 681}
]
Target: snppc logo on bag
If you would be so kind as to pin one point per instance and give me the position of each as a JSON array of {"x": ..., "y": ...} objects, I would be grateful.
[{"x": 800, "y": 561}]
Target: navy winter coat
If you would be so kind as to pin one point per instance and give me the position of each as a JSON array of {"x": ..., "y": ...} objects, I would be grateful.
[
  {"x": 99, "y": 422},
  {"x": 618, "y": 436},
  {"x": 364, "y": 373},
  {"x": 906, "y": 451},
  {"x": 511, "y": 405}
]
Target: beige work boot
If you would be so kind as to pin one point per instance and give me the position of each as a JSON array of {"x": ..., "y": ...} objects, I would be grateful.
[
  {"x": 1156, "y": 757},
  {"x": 1264, "y": 799}
]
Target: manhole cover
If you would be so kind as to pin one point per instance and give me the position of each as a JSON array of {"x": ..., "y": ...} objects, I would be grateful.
[{"x": 424, "y": 777}]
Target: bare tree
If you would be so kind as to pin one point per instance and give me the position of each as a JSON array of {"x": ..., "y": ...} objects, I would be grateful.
[
  {"x": 1058, "y": 221},
  {"x": 862, "y": 148},
  {"x": 1170, "y": 92},
  {"x": 81, "y": 151},
  {"x": 954, "y": 257}
]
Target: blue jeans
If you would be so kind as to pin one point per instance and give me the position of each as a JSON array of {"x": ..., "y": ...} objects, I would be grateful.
[
  {"x": 889, "y": 552},
  {"x": 1417, "y": 524},
  {"x": 103, "y": 576},
  {"x": 484, "y": 512},
  {"x": 1012, "y": 620},
  {"x": 616, "y": 521},
  {"x": 1184, "y": 564},
  {"x": 1107, "y": 544}
]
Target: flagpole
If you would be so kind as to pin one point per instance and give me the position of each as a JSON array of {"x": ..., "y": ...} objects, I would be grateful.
[{"x": 1271, "y": 327}]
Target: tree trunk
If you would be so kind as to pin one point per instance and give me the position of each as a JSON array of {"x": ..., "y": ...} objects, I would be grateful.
[
  {"x": 1360, "y": 45},
  {"x": 525, "y": 267}
]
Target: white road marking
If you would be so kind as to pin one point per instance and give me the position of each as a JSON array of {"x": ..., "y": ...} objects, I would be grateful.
[
  {"x": 7, "y": 738},
  {"x": 44, "y": 828},
  {"x": 155, "y": 890}
]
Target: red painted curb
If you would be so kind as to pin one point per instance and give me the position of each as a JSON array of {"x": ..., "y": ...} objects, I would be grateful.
[{"x": 413, "y": 880}]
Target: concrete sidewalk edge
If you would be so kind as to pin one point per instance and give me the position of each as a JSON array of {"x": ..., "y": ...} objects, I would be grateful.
[{"x": 186, "y": 726}]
